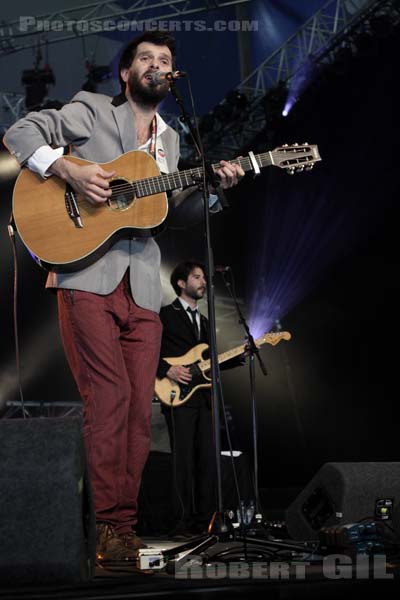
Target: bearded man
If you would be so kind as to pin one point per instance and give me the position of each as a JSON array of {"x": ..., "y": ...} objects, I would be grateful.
[{"x": 108, "y": 311}]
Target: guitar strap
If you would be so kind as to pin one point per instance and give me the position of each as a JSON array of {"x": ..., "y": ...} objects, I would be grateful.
[{"x": 152, "y": 149}]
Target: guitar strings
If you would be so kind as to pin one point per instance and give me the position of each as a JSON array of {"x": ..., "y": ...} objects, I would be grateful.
[{"x": 144, "y": 186}]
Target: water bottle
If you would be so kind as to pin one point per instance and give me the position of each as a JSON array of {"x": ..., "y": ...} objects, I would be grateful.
[{"x": 249, "y": 513}]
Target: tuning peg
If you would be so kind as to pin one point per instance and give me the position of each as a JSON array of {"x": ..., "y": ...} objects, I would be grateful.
[
  {"x": 290, "y": 170},
  {"x": 285, "y": 145},
  {"x": 306, "y": 144},
  {"x": 309, "y": 167}
]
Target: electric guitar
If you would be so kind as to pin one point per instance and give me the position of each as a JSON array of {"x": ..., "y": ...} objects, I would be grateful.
[
  {"x": 65, "y": 232},
  {"x": 174, "y": 394}
]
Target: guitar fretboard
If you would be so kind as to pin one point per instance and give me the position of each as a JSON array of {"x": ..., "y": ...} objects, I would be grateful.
[
  {"x": 205, "y": 365},
  {"x": 173, "y": 181},
  {"x": 269, "y": 338}
]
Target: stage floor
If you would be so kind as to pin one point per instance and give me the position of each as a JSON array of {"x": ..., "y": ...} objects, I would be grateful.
[{"x": 265, "y": 569}]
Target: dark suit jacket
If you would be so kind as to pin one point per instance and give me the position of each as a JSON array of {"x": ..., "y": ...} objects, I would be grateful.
[
  {"x": 178, "y": 337},
  {"x": 178, "y": 334}
]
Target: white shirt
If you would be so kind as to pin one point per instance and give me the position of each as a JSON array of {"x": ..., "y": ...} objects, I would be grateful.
[{"x": 186, "y": 306}]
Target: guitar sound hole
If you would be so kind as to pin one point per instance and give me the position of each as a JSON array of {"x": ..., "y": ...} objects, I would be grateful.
[{"x": 123, "y": 194}]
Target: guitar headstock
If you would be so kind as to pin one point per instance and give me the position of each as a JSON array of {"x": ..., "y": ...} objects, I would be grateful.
[
  {"x": 296, "y": 158},
  {"x": 273, "y": 338}
]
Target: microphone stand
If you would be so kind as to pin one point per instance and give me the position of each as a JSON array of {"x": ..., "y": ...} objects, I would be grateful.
[
  {"x": 220, "y": 528},
  {"x": 218, "y": 525},
  {"x": 252, "y": 351}
]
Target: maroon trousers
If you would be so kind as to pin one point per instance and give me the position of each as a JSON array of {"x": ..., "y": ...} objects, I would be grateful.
[{"x": 112, "y": 346}]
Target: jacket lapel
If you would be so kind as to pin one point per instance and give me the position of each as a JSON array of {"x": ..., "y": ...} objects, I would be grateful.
[
  {"x": 203, "y": 329},
  {"x": 125, "y": 120}
]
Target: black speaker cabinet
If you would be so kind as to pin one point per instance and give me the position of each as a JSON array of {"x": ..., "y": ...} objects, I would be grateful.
[
  {"x": 344, "y": 493},
  {"x": 47, "y": 524}
]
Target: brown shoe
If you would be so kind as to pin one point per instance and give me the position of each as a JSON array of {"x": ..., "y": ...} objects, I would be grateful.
[
  {"x": 114, "y": 547},
  {"x": 134, "y": 541}
]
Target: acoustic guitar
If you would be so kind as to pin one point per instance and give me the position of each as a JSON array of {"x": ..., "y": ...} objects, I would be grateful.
[
  {"x": 64, "y": 232},
  {"x": 175, "y": 394}
]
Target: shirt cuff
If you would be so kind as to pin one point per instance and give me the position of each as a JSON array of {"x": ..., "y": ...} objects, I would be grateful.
[
  {"x": 42, "y": 159},
  {"x": 214, "y": 203}
]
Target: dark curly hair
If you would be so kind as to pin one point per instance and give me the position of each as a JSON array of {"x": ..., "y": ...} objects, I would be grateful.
[
  {"x": 182, "y": 271},
  {"x": 159, "y": 38}
]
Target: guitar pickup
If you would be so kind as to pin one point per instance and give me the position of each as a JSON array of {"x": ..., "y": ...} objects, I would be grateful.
[{"x": 72, "y": 206}]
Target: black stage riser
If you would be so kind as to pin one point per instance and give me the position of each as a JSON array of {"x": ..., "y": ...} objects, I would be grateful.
[{"x": 47, "y": 525}]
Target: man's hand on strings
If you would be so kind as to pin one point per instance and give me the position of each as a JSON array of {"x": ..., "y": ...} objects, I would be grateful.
[
  {"x": 92, "y": 181},
  {"x": 179, "y": 374}
]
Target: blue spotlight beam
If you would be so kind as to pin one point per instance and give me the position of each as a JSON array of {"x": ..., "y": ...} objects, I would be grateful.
[{"x": 335, "y": 24}]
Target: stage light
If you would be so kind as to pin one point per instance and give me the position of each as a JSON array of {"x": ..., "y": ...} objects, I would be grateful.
[
  {"x": 96, "y": 74},
  {"x": 287, "y": 109},
  {"x": 36, "y": 82}
]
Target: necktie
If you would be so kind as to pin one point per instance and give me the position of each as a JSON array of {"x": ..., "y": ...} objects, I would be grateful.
[{"x": 193, "y": 314}]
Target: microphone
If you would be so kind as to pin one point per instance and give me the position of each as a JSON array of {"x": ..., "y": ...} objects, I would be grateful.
[
  {"x": 160, "y": 76},
  {"x": 222, "y": 268}
]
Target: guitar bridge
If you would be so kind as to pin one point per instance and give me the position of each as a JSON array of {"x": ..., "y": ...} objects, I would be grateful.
[{"x": 72, "y": 206}]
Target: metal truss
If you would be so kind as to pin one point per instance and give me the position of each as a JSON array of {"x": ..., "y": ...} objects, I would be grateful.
[
  {"x": 12, "y": 108},
  {"x": 34, "y": 409},
  {"x": 334, "y": 25},
  {"x": 103, "y": 17}
]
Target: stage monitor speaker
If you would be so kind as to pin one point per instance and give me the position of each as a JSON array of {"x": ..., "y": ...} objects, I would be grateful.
[
  {"x": 47, "y": 523},
  {"x": 344, "y": 493}
]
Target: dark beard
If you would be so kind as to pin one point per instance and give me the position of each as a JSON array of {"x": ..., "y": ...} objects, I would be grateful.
[
  {"x": 149, "y": 96},
  {"x": 195, "y": 294}
]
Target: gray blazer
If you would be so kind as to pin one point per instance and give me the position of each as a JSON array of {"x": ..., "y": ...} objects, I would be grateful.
[{"x": 99, "y": 129}]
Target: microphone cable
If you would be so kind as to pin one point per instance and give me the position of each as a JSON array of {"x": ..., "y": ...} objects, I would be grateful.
[{"x": 11, "y": 235}]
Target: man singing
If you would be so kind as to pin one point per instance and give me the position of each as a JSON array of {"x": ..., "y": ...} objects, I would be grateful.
[{"x": 108, "y": 311}]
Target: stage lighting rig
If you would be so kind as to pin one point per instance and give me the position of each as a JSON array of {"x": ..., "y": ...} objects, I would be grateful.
[
  {"x": 96, "y": 74},
  {"x": 229, "y": 111},
  {"x": 36, "y": 82}
]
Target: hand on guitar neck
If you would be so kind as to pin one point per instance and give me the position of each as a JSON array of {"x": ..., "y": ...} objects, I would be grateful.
[{"x": 90, "y": 180}]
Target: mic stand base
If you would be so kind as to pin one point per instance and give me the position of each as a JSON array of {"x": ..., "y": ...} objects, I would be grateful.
[
  {"x": 191, "y": 551},
  {"x": 221, "y": 525}
]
